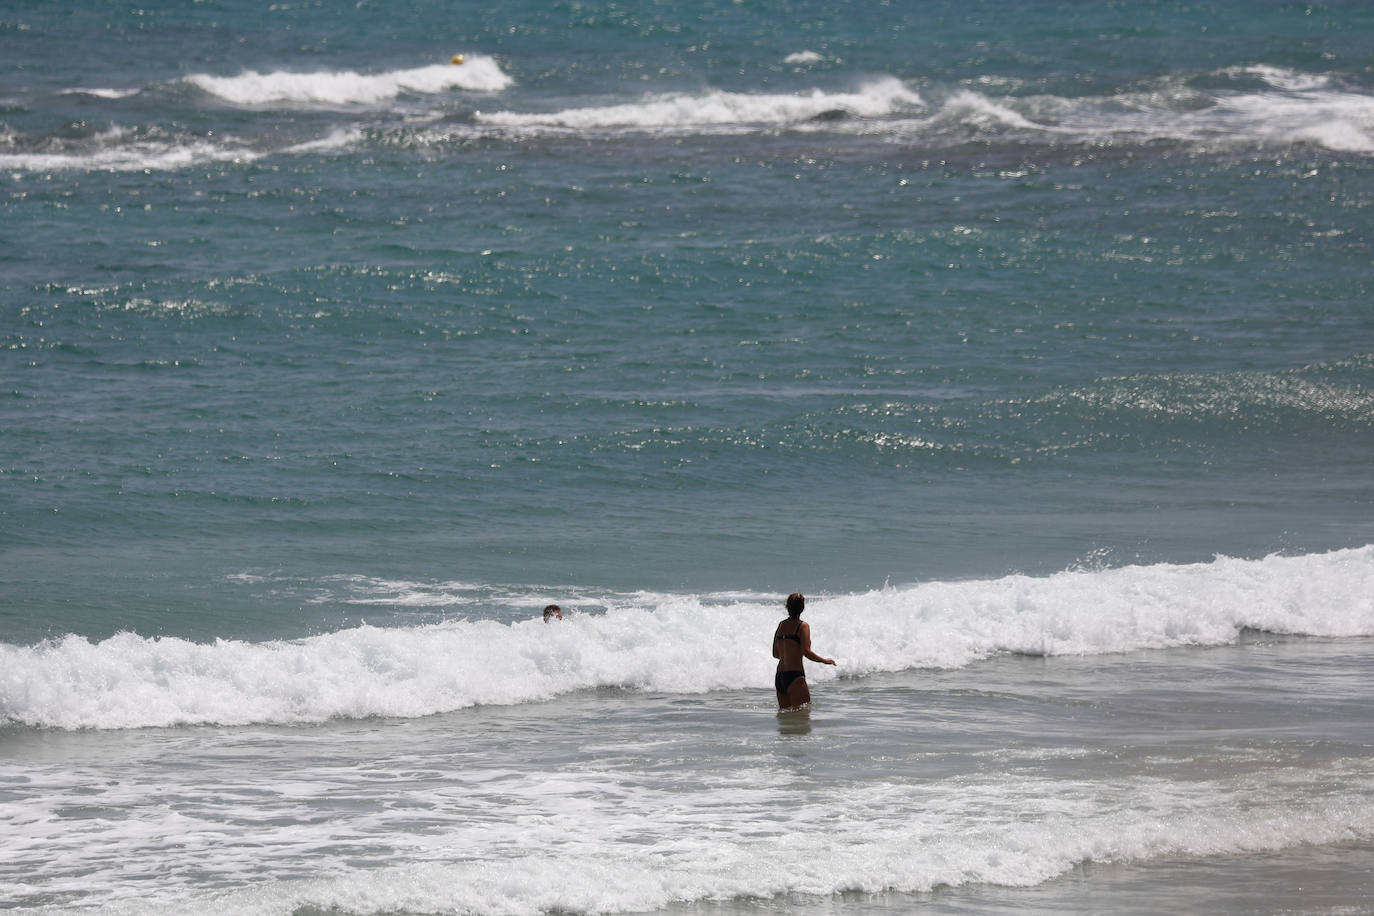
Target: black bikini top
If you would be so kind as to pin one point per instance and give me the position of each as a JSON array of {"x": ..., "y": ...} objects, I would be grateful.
[{"x": 795, "y": 637}]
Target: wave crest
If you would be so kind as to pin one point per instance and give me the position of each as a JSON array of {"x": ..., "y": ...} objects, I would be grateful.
[
  {"x": 477, "y": 74},
  {"x": 716, "y": 109},
  {"x": 653, "y": 642}
]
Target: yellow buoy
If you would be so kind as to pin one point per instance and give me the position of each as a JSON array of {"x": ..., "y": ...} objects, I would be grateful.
[{"x": 456, "y": 59}]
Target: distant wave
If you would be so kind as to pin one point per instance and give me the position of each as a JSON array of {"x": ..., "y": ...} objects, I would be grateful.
[
  {"x": 478, "y": 73},
  {"x": 688, "y": 111},
  {"x": 1286, "y": 107},
  {"x": 1281, "y": 77},
  {"x": 653, "y": 642},
  {"x": 121, "y": 149},
  {"x": 1257, "y": 106},
  {"x": 1269, "y": 106},
  {"x": 103, "y": 93}
]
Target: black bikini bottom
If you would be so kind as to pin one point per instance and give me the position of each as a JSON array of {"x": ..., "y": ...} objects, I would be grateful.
[{"x": 783, "y": 679}]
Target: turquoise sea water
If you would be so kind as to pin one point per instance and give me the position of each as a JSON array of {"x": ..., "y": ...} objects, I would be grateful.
[{"x": 995, "y": 328}]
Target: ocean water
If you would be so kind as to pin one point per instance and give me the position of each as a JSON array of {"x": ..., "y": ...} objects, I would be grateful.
[{"x": 1033, "y": 342}]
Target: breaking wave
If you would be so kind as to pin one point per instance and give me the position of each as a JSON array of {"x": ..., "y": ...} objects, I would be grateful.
[
  {"x": 478, "y": 73},
  {"x": 648, "y": 641}
]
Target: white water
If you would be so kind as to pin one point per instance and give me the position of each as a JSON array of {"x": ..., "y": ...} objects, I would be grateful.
[
  {"x": 1010, "y": 773},
  {"x": 121, "y": 150},
  {"x": 678, "y": 644},
  {"x": 694, "y": 111},
  {"x": 1293, "y": 107},
  {"x": 753, "y": 855},
  {"x": 478, "y": 73}
]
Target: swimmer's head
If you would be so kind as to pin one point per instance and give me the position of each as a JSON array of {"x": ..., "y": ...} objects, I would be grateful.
[
  {"x": 796, "y": 603},
  {"x": 553, "y": 612}
]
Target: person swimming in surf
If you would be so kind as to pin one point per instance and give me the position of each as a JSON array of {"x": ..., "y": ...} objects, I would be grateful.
[
  {"x": 792, "y": 643},
  {"x": 553, "y": 612}
]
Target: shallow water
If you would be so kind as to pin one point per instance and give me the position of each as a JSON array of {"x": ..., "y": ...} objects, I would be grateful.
[{"x": 1069, "y": 783}]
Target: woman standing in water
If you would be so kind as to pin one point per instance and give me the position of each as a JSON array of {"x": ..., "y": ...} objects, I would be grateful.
[{"x": 792, "y": 643}]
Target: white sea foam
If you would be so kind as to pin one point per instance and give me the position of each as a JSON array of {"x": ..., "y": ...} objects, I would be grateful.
[
  {"x": 1298, "y": 107},
  {"x": 586, "y": 843},
  {"x": 1341, "y": 121},
  {"x": 103, "y": 93},
  {"x": 136, "y": 155},
  {"x": 119, "y": 150},
  {"x": 848, "y": 858},
  {"x": 479, "y": 73},
  {"x": 652, "y": 642},
  {"x": 689, "y": 111},
  {"x": 1282, "y": 77},
  {"x": 969, "y": 109},
  {"x": 1295, "y": 108},
  {"x": 343, "y": 138},
  {"x": 803, "y": 57}
]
